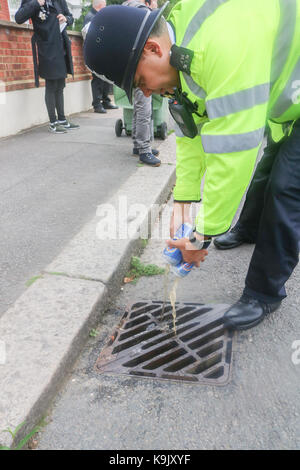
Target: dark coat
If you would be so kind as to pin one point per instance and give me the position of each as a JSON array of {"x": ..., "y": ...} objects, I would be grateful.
[
  {"x": 89, "y": 16},
  {"x": 54, "y": 48}
]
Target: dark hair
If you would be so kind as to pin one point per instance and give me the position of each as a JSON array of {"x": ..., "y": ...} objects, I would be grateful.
[{"x": 160, "y": 28}]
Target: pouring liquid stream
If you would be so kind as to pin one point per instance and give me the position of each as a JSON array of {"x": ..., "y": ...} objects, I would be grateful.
[
  {"x": 166, "y": 279},
  {"x": 172, "y": 296},
  {"x": 173, "y": 300}
]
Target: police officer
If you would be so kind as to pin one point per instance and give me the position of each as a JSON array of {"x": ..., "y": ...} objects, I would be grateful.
[
  {"x": 232, "y": 65},
  {"x": 142, "y": 110}
]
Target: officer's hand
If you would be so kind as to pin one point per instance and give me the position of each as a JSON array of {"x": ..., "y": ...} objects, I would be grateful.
[
  {"x": 61, "y": 18},
  {"x": 189, "y": 254},
  {"x": 180, "y": 215}
]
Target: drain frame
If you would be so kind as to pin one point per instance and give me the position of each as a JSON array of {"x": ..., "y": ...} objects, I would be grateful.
[{"x": 143, "y": 344}]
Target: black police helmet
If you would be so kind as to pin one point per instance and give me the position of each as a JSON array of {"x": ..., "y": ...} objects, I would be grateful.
[{"x": 115, "y": 42}]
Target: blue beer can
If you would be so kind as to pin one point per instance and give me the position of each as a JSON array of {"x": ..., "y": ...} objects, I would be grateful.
[
  {"x": 182, "y": 269},
  {"x": 173, "y": 255}
]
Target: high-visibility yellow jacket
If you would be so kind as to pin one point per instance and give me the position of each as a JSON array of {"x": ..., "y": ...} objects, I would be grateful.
[{"x": 244, "y": 72}]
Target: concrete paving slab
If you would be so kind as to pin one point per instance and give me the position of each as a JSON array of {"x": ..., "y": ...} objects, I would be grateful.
[
  {"x": 128, "y": 215},
  {"x": 42, "y": 334}
]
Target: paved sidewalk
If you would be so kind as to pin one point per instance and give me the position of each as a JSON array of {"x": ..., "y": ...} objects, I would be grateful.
[
  {"x": 47, "y": 324},
  {"x": 50, "y": 186}
]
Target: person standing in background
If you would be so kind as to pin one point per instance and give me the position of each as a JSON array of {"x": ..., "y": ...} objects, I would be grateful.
[
  {"x": 100, "y": 89},
  {"x": 53, "y": 60},
  {"x": 142, "y": 110}
]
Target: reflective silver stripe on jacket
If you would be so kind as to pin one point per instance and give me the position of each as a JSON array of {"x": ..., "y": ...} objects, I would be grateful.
[
  {"x": 232, "y": 143},
  {"x": 284, "y": 38},
  {"x": 194, "y": 87},
  {"x": 283, "y": 43},
  {"x": 229, "y": 104},
  {"x": 290, "y": 94},
  {"x": 207, "y": 9},
  {"x": 239, "y": 101}
]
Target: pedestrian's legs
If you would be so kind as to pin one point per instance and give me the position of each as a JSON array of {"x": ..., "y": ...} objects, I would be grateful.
[
  {"x": 59, "y": 99},
  {"x": 133, "y": 132},
  {"x": 50, "y": 86},
  {"x": 248, "y": 222},
  {"x": 105, "y": 93},
  {"x": 277, "y": 249},
  {"x": 142, "y": 110},
  {"x": 96, "y": 85}
]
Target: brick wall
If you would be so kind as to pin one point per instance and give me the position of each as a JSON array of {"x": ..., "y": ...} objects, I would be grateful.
[
  {"x": 16, "y": 63},
  {"x": 4, "y": 11}
]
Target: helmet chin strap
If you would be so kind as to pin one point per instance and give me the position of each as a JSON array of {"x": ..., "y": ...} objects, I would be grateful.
[{"x": 134, "y": 47}]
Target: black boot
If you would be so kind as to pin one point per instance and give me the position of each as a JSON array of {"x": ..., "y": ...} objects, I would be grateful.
[
  {"x": 108, "y": 105},
  {"x": 99, "y": 109},
  {"x": 247, "y": 312},
  {"x": 231, "y": 239}
]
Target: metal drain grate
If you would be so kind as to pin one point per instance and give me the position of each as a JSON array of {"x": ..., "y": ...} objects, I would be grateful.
[{"x": 144, "y": 344}]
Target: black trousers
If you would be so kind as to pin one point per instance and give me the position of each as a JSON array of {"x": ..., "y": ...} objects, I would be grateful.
[
  {"x": 54, "y": 98},
  {"x": 271, "y": 218},
  {"x": 100, "y": 91}
]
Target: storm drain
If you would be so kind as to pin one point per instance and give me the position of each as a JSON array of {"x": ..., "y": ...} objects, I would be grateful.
[{"x": 144, "y": 344}]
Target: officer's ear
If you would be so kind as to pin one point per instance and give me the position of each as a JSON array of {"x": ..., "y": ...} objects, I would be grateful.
[{"x": 152, "y": 46}]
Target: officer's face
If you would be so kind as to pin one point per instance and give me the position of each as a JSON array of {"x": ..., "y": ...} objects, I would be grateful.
[
  {"x": 147, "y": 79},
  {"x": 154, "y": 73}
]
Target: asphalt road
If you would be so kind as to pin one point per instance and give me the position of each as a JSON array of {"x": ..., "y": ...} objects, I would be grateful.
[
  {"x": 258, "y": 409},
  {"x": 50, "y": 186}
]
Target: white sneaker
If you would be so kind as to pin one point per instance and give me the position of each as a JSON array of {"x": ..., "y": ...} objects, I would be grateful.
[
  {"x": 56, "y": 128},
  {"x": 68, "y": 125}
]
